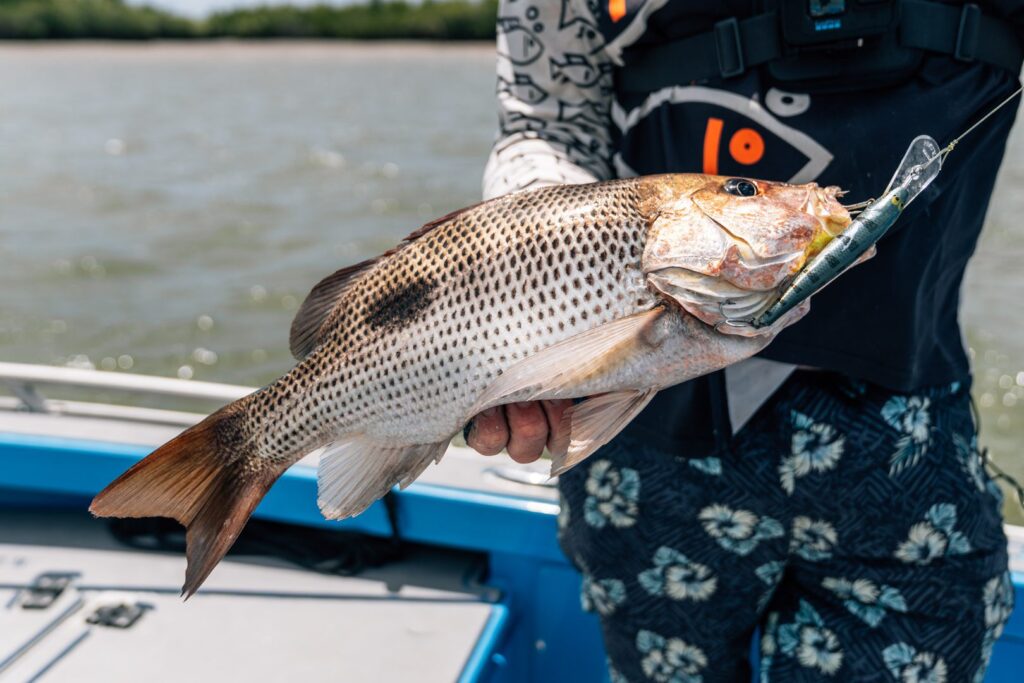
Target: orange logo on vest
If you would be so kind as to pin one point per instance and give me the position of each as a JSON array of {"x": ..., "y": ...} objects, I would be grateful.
[
  {"x": 616, "y": 9},
  {"x": 746, "y": 146}
]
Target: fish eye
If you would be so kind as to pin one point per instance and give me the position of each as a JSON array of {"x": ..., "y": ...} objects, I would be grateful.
[{"x": 740, "y": 187}]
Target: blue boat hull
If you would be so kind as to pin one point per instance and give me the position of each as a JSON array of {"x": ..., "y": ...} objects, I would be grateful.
[{"x": 537, "y": 632}]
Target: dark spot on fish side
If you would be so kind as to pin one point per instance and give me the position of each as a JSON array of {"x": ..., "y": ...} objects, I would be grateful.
[{"x": 400, "y": 306}]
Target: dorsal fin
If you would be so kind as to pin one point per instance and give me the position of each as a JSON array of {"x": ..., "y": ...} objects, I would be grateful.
[
  {"x": 437, "y": 222},
  {"x": 321, "y": 300},
  {"x": 305, "y": 333}
]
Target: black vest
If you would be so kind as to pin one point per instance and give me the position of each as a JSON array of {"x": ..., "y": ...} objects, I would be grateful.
[{"x": 891, "y": 321}]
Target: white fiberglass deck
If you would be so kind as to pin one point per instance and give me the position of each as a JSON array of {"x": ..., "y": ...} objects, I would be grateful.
[{"x": 253, "y": 622}]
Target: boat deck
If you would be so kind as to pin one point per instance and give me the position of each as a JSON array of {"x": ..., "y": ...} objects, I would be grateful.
[
  {"x": 252, "y": 620},
  {"x": 482, "y": 594}
]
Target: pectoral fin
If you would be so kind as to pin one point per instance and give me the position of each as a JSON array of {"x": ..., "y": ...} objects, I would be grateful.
[
  {"x": 571, "y": 362},
  {"x": 596, "y": 421}
]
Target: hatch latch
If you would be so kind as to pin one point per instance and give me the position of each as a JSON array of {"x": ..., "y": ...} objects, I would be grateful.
[
  {"x": 118, "y": 615},
  {"x": 45, "y": 589}
]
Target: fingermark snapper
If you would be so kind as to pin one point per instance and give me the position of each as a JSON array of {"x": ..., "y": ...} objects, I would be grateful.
[{"x": 611, "y": 291}]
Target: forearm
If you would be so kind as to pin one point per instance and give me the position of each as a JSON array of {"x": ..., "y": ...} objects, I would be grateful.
[
  {"x": 554, "y": 96},
  {"x": 518, "y": 163}
]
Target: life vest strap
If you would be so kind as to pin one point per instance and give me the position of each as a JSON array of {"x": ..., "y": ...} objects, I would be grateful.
[{"x": 736, "y": 46}]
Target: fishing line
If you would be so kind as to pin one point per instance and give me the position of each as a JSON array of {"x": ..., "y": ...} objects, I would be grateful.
[
  {"x": 873, "y": 219},
  {"x": 855, "y": 209},
  {"x": 941, "y": 156}
]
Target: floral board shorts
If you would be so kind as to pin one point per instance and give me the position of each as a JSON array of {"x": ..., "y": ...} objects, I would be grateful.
[{"x": 856, "y": 527}]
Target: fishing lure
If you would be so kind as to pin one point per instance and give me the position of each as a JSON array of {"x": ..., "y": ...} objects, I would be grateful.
[{"x": 920, "y": 166}]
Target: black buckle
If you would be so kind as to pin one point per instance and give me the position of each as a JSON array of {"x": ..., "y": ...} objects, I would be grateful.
[
  {"x": 45, "y": 589},
  {"x": 729, "y": 48},
  {"x": 120, "y": 615},
  {"x": 967, "y": 33}
]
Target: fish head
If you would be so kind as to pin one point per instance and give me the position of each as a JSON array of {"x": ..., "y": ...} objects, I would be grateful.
[{"x": 723, "y": 248}]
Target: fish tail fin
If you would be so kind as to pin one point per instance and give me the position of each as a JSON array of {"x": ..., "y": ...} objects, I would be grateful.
[{"x": 207, "y": 478}]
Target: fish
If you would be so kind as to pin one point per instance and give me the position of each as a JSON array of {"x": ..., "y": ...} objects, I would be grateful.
[
  {"x": 606, "y": 292},
  {"x": 578, "y": 70},
  {"x": 586, "y": 112},
  {"x": 523, "y": 87},
  {"x": 517, "y": 43},
  {"x": 518, "y": 122}
]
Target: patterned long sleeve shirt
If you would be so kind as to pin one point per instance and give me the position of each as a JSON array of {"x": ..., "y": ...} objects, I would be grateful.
[{"x": 554, "y": 98}]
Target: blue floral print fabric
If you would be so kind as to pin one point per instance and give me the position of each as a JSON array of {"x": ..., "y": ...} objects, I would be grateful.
[{"x": 856, "y": 527}]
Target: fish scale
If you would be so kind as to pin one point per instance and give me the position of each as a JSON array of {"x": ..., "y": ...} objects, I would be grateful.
[
  {"x": 474, "y": 295},
  {"x": 611, "y": 291},
  {"x": 524, "y": 286}
]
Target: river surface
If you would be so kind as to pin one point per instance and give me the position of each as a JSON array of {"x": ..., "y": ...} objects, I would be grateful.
[{"x": 165, "y": 208}]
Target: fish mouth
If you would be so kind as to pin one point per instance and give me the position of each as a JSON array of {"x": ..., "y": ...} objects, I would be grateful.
[
  {"x": 744, "y": 270},
  {"x": 761, "y": 259},
  {"x": 748, "y": 285},
  {"x": 833, "y": 218}
]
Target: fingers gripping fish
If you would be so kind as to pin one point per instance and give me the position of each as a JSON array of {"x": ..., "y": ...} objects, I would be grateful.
[{"x": 611, "y": 291}]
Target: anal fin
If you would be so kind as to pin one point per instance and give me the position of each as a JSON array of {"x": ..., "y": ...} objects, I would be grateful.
[
  {"x": 354, "y": 473},
  {"x": 596, "y": 421}
]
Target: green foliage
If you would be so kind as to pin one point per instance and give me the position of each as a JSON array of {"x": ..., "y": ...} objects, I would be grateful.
[
  {"x": 448, "y": 20},
  {"x": 112, "y": 19}
]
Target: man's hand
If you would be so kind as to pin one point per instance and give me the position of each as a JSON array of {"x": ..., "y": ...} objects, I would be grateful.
[{"x": 522, "y": 428}]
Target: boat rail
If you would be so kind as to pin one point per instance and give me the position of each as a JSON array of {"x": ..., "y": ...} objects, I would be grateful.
[
  {"x": 22, "y": 378},
  {"x": 25, "y": 382}
]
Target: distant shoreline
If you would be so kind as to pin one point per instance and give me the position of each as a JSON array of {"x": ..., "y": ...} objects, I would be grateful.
[
  {"x": 31, "y": 54},
  {"x": 232, "y": 50},
  {"x": 233, "y": 40},
  {"x": 113, "y": 20},
  {"x": 230, "y": 41}
]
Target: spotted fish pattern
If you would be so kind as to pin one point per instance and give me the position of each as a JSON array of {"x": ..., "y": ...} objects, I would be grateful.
[
  {"x": 517, "y": 277},
  {"x": 609, "y": 290}
]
